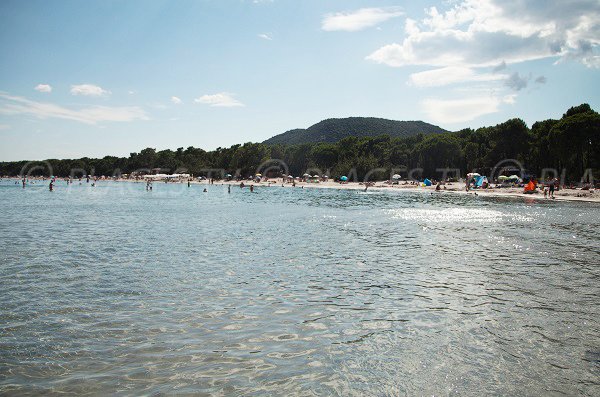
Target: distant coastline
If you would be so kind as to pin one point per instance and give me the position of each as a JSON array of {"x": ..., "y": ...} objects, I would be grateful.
[{"x": 562, "y": 195}]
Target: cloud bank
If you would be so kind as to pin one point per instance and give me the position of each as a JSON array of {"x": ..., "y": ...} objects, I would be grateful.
[{"x": 478, "y": 33}]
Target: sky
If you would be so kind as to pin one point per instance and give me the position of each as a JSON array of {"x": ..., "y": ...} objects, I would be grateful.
[{"x": 105, "y": 77}]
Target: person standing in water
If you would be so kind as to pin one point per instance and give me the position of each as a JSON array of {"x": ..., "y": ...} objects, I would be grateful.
[
  {"x": 228, "y": 188},
  {"x": 51, "y": 186},
  {"x": 251, "y": 188}
]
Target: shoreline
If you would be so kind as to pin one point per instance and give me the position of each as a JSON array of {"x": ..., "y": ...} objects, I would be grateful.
[{"x": 569, "y": 195}]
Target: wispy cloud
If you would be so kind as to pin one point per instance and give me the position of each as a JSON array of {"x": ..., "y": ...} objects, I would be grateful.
[
  {"x": 450, "y": 75},
  {"x": 459, "y": 110},
  {"x": 265, "y": 36},
  {"x": 176, "y": 100},
  {"x": 363, "y": 18},
  {"x": 15, "y": 105},
  {"x": 88, "y": 90},
  {"x": 510, "y": 99},
  {"x": 541, "y": 80},
  {"x": 43, "y": 88},
  {"x": 516, "y": 81},
  {"x": 221, "y": 99}
]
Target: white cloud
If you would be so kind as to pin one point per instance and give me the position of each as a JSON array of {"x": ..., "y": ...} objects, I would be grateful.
[
  {"x": 43, "y": 88},
  {"x": 176, "y": 100},
  {"x": 459, "y": 110},
  {"x": 221, "y": 99},
  {"x": 487, "y": 32},
  {"x": 88, "y": 90},
  {"x": 265, "y": 36},
  {"x": 14, "y": 105},
  {"x": 360, "y": 19},
  {"x": 449, "y": 75}
]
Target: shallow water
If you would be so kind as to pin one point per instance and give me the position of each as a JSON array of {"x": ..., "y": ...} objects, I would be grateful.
[{"x": 115, "y": 290}]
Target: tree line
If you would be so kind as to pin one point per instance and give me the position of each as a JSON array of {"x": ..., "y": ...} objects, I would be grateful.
[{"x": 570, "y": 144}]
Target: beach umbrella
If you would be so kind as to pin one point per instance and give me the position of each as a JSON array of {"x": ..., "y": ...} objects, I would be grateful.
[
  {"x": 315, "y": 176},
  {"x": 258, "y": 174},
  {"x": 472, "y": 175},
  {"x": 343, "y": 178},
  {"x": 396, "y": 176},
  {"x": 503, "y": 178}
]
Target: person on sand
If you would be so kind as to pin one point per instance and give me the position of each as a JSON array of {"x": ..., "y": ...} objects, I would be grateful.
[
  {"x": 438, "y": 187},
  {"x": 552, "y": 182}
]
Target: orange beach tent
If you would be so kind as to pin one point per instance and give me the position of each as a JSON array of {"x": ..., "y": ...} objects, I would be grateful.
[{"x": 530, "y": 187}]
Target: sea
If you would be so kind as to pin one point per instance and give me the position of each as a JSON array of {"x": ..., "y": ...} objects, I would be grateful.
[{"x": 115, "y": 290}]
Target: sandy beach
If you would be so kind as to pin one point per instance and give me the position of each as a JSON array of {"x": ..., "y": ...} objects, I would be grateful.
[{"x": 453, "y": 188}]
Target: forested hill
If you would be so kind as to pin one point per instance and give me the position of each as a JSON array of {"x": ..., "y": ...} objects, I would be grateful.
[{"x": 334, "y": 130}]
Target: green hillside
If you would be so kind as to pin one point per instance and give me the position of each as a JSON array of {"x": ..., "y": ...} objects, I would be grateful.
[{"x": 334, "y": 130}]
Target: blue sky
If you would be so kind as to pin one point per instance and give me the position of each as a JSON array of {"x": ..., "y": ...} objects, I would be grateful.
[{"x": 95, "y": 78}]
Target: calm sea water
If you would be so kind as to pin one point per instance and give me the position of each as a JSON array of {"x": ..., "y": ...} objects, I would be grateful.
[{"x": 114, "y": 289}]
